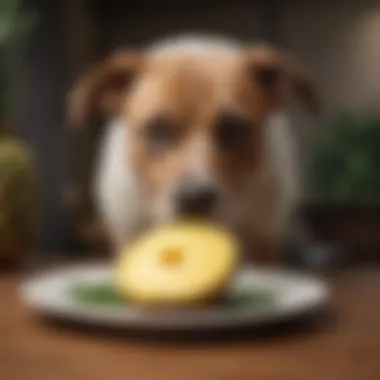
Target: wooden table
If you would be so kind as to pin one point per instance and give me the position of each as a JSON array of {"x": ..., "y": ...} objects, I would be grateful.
[{"x": 344, "y": 348}]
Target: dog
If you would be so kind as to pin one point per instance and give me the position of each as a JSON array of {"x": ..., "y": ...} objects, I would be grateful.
[{"x": 197, "y": 126}]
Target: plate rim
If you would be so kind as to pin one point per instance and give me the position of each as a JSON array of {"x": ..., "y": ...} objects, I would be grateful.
[{"x": 132, "y": 317}]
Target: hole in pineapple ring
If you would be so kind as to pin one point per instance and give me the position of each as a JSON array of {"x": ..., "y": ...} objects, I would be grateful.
[{"x": 172, "y": 257}]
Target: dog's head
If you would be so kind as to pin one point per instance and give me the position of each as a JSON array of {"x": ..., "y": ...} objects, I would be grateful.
[{"x": 195, "y": 121}]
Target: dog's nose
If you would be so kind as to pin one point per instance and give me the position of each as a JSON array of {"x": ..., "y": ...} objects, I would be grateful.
[{"x": 196, "y": 198}]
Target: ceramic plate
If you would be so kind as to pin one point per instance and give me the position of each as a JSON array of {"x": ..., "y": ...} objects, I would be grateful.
[{"x": 256, "y": 297}]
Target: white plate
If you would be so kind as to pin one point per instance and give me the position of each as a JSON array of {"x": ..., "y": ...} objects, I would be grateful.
[{"x": 294, "y": 294}]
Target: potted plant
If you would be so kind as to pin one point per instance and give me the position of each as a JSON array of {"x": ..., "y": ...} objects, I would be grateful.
[
  {"x": 17, "y": 175},
  {"x": 345, "y": 184}
]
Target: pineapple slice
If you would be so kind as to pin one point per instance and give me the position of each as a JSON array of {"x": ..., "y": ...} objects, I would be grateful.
[{"x": 185, "y": 263}]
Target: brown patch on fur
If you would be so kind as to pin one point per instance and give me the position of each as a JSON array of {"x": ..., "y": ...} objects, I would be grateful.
[
  {"x": 282, "y": 78},
  {"x": 193, "y": 91},
  {"x": 103, "y": 87}
]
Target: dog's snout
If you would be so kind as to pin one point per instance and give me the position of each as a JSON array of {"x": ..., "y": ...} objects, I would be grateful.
[{"x": 196, "y": 198}]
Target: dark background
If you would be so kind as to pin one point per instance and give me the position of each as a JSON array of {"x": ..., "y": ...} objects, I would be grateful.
[{"x": 72, "y": 34}]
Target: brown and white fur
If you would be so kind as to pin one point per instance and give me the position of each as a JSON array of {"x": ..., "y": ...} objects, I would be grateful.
[{"x": 195, "y": 110}]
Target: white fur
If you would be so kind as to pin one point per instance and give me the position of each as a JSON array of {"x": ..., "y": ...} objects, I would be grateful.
[
  {"x": 119, "y": 199},
  {"x": 195, "y": 44},
  {"x": 123, "y": 206}
]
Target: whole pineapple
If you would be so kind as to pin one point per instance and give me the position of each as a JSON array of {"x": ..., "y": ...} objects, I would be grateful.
[{"x": 17, "y": 199}]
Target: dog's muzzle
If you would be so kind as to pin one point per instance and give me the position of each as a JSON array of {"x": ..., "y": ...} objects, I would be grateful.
[{"x": 195, "y": 197}]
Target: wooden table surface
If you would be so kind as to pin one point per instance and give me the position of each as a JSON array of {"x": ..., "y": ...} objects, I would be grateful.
[{"x": 346, "y": 347}]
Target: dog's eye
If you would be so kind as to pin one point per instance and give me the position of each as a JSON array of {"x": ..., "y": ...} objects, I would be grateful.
[
  {"x": 160, "y": 132},
  {"x": 233, "y": 132}
]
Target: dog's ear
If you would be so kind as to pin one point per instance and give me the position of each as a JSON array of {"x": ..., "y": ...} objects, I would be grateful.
[
  {"x": 281, "y": 78},
  {"x": 103, "y": 87}
]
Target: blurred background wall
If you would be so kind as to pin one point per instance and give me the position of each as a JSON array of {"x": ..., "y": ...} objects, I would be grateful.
[{"x": 338, "y": 40}]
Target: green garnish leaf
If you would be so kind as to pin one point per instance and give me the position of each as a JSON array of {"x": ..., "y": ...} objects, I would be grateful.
[
  {"x": 97, "y": 294},
  {"x": 104, "y": 294}
]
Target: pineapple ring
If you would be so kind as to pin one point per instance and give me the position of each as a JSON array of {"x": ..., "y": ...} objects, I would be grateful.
[{"x": 180, "y": 264}]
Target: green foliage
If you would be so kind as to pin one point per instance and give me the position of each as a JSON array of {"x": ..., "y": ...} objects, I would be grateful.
[
  {"x": 346, "y": 162},
  {"x": 16, "y": 20},
  {"x": 18, "y": 206}
]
